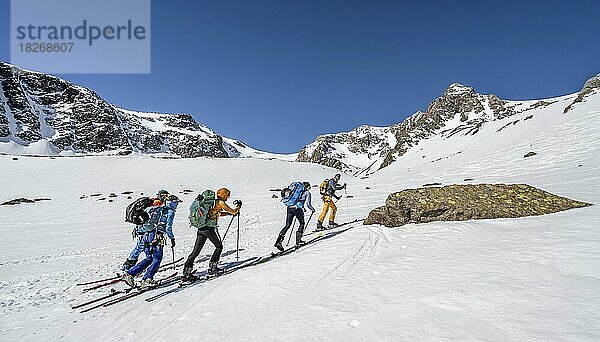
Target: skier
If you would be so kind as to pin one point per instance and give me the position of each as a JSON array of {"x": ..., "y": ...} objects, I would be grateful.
[
  {"x": 209, "y": 231},
  {"x": 138, "y": 233},
  {"x": 295, "y": 208},
  {"x": 327, "y": 193},
  {"x": 160, "y": 223}
]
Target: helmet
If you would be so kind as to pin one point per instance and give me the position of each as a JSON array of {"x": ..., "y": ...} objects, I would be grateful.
[
  {"x": 306, "y": 185},
  {"x": 223, "y": 194},
  {"x": 337, "y": 176},
  {"x": 162, "y": 193},
  {"x": 174, "y": 198}
]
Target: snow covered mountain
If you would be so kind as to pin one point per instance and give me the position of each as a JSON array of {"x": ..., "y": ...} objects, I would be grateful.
[
  {"x": 45, "y": 115},
  {"x": 520, "y": 279},
  {"x": 459, "y": 111}
]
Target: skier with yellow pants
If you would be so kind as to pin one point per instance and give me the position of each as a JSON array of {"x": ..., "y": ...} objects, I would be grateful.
[{"x": 328, "y": 189}]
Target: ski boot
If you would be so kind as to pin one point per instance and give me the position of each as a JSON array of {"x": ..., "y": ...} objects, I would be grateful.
[
  {"x": 147, "y": 283},
  {"x": 214, "y": 270},
  {"x": 332, "y": 224},
  {"x": 278, "y": 244},
  {"x": 320, "y": 225},
  {"x": 188, "y": 277},
  {"x": 128, "y": 279},
  {"x": 129, "y": 263},
  {"x": 299, "y": 241}
]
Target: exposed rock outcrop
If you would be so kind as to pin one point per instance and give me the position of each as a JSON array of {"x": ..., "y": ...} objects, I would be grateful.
[
  {"x": 36, "y": 107},
  {"x": 592, "y": 85},
  {"x": 467, "y": 202}
]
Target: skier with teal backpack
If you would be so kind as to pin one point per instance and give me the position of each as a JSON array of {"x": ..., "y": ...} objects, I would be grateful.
[
  {"x": 204, "y": 215},
  {"x": 295, "y": 197}
]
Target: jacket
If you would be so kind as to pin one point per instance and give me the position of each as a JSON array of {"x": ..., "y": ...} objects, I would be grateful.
[{"x": 221, "y": 209}]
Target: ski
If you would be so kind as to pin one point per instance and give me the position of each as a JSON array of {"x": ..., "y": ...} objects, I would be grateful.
[
  {"x": 114, "y": 281},
  {"x": 112, "y": 293},
  {"x": 232, "y": 267},
  {"x": 162, "y": 282},
  {"x": 117, "y": 276},
  {"x": 287, "y": 251},
  {"x": 328, "y": 228}
]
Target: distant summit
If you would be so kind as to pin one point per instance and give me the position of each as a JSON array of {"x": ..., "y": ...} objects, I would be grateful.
[{"x": 460, "y": 110}]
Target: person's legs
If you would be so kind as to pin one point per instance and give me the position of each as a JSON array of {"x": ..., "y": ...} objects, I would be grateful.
[
  {"x": 157, "y": 256},
  {"x": 189, "y": 264},
  {"x": 135, "y": 253},
  {"x": 289, "y": 218},
  {"x": 299, "y": 213},
  {"x": 326, "y": 201},
  {"x": 211, "y": 234},
  {"x": 141, "y": 266},
  {"x": 332, "y": 213},
  {"x": 138, "y": 249}
]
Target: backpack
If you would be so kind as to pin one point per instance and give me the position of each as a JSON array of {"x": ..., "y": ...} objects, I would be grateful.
[
  {"x": 291, "y": 194},
  {"x": 200, "y": 208},
  {"x": 135, "y": 212},
  {"x": 154, "y": 215},
  {"x": 323, "y": 187}
]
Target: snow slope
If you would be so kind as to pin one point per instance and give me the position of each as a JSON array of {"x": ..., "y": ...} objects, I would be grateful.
[{"x": 526, "y": 279}]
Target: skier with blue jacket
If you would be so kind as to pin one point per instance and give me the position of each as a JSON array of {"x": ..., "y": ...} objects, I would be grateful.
[
  {"x": 138, "y": 233},
  {"x": 159, "y": 225},
  {"x": 298, "y": 197}
]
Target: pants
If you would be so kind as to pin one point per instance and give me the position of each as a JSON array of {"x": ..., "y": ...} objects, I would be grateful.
[
  {"x": 291, "y": 213},
  {"x": 154, "y": 255},
  {"x": 138, "y": 249},
  {"x": 328, "y": 204},
  {"x": 202, "y": 235}
]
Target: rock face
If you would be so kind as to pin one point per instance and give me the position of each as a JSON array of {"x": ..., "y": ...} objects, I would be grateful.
[
  {"x": 37, "y": 108},
  {"x": 382, "y": 145},
  {"x": 467, "y": 202},
  {"x": 458, "y": 111},
  {"x": 591, "y": 86}
]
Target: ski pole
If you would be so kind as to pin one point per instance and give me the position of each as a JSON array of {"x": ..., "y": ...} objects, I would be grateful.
[
  {"x": 230, "y": 222},
  {"x": 173, "y": 253},
  {"x": 347, "y": 205},
  {"x": 237, "y": 248},
  {"x": 291, "y": 230},
  {"x": 308, "y": 222}
]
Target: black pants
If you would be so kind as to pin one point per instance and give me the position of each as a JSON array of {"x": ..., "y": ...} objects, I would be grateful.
[
  {"x": 203, "y": 234},
  {"x": 291, "y": 213}
]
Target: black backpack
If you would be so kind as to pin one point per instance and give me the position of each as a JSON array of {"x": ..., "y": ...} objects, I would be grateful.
[{"x": 135, "y": 212}]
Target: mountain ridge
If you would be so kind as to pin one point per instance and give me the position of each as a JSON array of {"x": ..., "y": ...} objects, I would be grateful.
[
  {"x": 459, "y": 110},
  {"x": 46, "y": 115}
]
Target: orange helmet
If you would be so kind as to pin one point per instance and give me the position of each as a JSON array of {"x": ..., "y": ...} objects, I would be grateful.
[{"x": 223, "y": 194}]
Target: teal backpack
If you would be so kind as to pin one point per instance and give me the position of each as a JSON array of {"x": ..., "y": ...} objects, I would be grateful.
[
  {"x": 155, "y": 214},
  {"x": 199, "y": 210}
]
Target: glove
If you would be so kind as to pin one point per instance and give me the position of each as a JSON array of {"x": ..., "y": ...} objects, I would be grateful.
[
  {"x": 237, "y": 203},
  {"x": 337, "y": 198},
  {"x": 173, "y": 242}
]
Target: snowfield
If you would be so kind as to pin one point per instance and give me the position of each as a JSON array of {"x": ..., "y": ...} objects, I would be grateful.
[{"x": 526, "y": 279}]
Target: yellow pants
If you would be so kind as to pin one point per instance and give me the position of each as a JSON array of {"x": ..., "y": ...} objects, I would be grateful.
[{"x": 328, "y": 204}]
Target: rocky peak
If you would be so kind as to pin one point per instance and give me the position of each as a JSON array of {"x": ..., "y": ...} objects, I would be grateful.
[
  {"x": 38, "y": 109},
  {"x": 457, "y": 89},
  {"x": 591, "y": 86},
  {"x": 592, "y": 83},
  {"x": 383, "y": 145}
]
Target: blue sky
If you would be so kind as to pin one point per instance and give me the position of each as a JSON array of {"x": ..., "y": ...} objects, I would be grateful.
[{"x": 278, "y": 73}]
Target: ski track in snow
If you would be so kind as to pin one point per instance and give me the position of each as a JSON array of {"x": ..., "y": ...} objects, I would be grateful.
[{"x": 534, "y": 278}]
